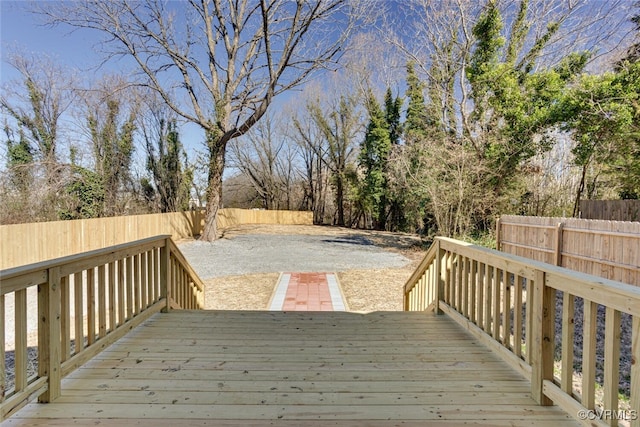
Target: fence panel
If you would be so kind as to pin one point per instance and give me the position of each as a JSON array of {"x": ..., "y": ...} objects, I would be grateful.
[
  {"x": 613, "y": 210},
  {"x": 609, "y": 249},
  {"x": 22, "y": 244}
]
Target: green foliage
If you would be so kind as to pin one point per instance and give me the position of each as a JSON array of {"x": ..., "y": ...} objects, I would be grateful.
[
  {"x": 87, "y": 191},
  {"x": 603, "y": 114},
  {"x": 374, "y": 153},
  {"x": 113, "y": 148},
  {"x": 416, "y": 124},
  {"x": 171, "y": 177}
]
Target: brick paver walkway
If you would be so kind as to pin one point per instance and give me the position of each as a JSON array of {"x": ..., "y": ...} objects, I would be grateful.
[{"x": 307, "y": 292}]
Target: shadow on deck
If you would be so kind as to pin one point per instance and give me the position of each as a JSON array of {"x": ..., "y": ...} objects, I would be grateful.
[{"x": 225, "y": 368}]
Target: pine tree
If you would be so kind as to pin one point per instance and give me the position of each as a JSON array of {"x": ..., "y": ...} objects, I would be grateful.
[
  {"x": 373, "y": 157},
  {"x": 416, "y": 124}
]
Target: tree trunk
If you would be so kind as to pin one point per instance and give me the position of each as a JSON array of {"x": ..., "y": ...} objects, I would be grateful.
[
  {"x": 340, "y": 200},
  {"x": 214, "y": 196}
]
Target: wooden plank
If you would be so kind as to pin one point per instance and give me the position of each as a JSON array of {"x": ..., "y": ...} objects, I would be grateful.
[
  {"x": 21, "y": 356},
  {"x": 78, "y": 312},
  {"x": 102, "y": 301},
  {"x": 158, "y": 422},
  {"x": 299, "y": 412},
  {"x": 497, "y": 282},
  {"x": 517, "y": 315},
  {"x": 112, "y": 296},
  {"x": 589, "y": 355},
  {"x": 91, "y": 306},
  {"x": 65, "y": 318},
  {"x": 542, "y": 338},
  {"x": 611, "y": 362},
  {"x": 3, "y": 371},
  {"x": 49, "y": 335},
  {"x": 568, "y": 335},
  {"x": 635, "y": 369}
]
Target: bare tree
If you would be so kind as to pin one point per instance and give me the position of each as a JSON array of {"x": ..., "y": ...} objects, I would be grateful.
[
  {"x": 216, "y": 63},
  {"x": 339, "y": 124},
  {"x": 260, "y": 156},
  {"x": 36, "y": 103}
]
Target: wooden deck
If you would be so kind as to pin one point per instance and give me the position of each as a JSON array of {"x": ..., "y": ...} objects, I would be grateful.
[{"x": 217, "y": 368}]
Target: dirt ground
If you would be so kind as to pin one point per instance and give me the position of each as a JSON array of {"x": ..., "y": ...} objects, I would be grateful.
[{"x": 365, "y": 290}]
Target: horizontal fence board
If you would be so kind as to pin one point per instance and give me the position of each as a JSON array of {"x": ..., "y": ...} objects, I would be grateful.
[
  {"x": 23, "y": 244},
  {"x": 608, "y": 249}
]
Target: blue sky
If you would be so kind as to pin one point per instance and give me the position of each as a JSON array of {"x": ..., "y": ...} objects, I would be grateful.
[{"x": 23, "y": 30}]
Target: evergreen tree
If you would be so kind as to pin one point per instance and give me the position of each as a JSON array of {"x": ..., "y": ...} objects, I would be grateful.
[
  {"x": 416, "y": 123},
  {"x": 373, "y": 158}
]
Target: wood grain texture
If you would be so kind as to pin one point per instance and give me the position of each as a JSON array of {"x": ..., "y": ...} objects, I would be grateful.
[{"x": 294, "y": 368}]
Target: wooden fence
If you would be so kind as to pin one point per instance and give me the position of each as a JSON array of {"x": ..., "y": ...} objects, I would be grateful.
[
  {"x": 515, "y": 306},
  {"x": 612, "y": 210},
  {"x": 110, "y": 291},
  {"x": 22, "y": 244},
  {"x": 609, "y": 249}
]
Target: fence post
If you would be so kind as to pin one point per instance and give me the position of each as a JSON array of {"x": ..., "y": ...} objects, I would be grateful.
[
  {"x": 498, "y": 233},
  {"x": 542, "y": 331},
  {"x": 439, "y": 288},
  {"x": 49, "y": 344},
  {"x": 557, "y": 251},
  {"x": 165, "y": 275}
]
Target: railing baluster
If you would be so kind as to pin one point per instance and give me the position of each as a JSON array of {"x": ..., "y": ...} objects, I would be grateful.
[
  {"x": 488, "y": 280},
  {"x": 496, "y": 303},
  {"x": 20, "y": 363},
  {"x": 78, "y": 312},
  {"x": 65, "y": 319},
  {"x": 464, "y": 283},
  {"x": 568, "y": 333},
  {"x": 635, "y": 369},
  {"x": 143, "y": 281},
  {"x": 517, "y": 315},
  {"x": 129, "y": 287},
  {"x": 153, "y": 276},
  {"x": 611, "y": 361},
  {"x": 529, "y": 320},
  {"x": 121, "y": 302},
  {"x": 91, "y": 307},
  {"x": 589, "y": 355},
  {"x": 102, "y": 302},
  {"x": 136, "y": 284},
  {"x": 112, "y": 296},
  {"x": 473, "y": 284},
  {"x": 459, "y": 281},
  {"x": 506, "y": 309},
  {"x": 480, "y": 295}
]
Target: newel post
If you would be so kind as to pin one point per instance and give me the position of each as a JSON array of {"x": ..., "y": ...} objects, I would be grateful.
[
  {"x": 542, "y": 331},
  {"x": 49, "y": 339},
  {"x": 439, "y": 285},
  {"x": 165, "y": 275}
]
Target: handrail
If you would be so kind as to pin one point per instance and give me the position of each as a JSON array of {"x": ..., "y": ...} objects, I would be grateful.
[
  {"x": 109, "y": 291},
  {"x": 514, "y": 305}
]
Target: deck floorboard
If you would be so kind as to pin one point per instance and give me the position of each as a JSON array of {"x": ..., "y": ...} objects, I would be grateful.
[{"x": 312, "y": 369}]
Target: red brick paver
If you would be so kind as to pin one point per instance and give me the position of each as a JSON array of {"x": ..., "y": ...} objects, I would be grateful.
[{"x": 308, "y": 292}]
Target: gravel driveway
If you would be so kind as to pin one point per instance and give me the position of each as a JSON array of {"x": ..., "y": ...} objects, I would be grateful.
[{"x": 267, "y": 253}]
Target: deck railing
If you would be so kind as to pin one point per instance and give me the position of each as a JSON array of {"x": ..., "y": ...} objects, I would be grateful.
[
  {"x": 517, "y": 306},
  {"x": 81, "y": 304}
]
